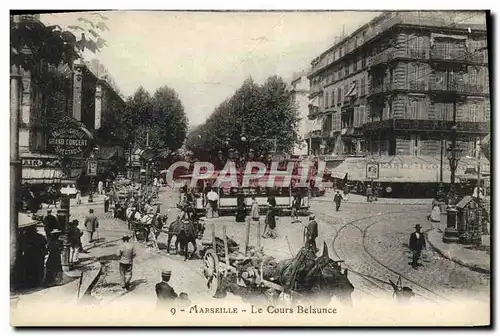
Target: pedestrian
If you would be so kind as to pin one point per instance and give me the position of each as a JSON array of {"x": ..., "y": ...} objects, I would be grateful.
[
  {"x": 240, "y": 208},
  {"x": 50, "y": 223},
  {"x": 213, "y": 202},
  {"x": 78, "y": 196},
  {"x": 183, "y": 301},
  {"x": 254, "y": 211},
  {"x": 270, "y": 229},
  {"x": 75, "y": 236},
  {"x": 369, "y": 193},
  {"x": 297, "y": 201},
  {"x": 53, "y": 266},
  {"x": 417, "y": 243},
  {"x": 91, "y": 224},
  {"x": 165, "y": 294},
  {"x": 346, "y": 192},
  {"x": 337, "y": 199},
  {"x": 312, "y": 233},
  {"x": 106, "y": 202},
  {"x": 126, "y": 254}
]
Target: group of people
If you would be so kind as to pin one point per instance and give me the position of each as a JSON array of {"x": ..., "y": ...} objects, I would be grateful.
[{"x": 39, "y": 256}]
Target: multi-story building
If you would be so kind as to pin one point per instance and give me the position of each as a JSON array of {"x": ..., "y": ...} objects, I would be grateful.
[
  {"x": 396, "y": 85},
  {"x": 51, "y": 97},
  {"x": 299, "y": 92}
]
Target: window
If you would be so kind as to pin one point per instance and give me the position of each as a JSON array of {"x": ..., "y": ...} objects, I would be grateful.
[
  {"x": 363, "y": 61},
  {"x": 355, "y": 66},
  {"x": 326, "y": 100},
  {"x": 332, "y": 102},
  {"x": 341, "y": 51},
  {"x": 339, "y": 95},
  {"x": 362, "y": 86}
]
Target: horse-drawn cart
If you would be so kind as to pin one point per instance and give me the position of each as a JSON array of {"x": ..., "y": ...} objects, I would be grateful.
[{"x": 253, "y": 275}]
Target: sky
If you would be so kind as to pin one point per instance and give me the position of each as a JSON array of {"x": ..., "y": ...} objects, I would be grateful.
[{"x": 206, "y": 56}]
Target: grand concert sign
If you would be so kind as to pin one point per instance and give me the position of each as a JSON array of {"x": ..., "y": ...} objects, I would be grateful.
[{"x": 69, "y": 141}]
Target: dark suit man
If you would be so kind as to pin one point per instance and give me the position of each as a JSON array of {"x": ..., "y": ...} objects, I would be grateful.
[
  {"x": 417, "y": 243},
  {"x": 165, "y": 294},
  {"x": 91, "y": 224},
  {"x": 312, "y": 232},
  {"x": 50, "y": 223},
  {"x": 337, "y": 199}
]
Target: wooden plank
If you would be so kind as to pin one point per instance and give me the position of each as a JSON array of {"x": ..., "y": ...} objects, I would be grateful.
[
  {"x": 258, "y": 236},
  {"x": 214, "y": 246},
  {"x": 247, "y": 236},
  {"x": 226, "y": 248}
]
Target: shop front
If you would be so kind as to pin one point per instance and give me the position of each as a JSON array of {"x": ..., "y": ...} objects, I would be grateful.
[{"x": 63, "y": 161}]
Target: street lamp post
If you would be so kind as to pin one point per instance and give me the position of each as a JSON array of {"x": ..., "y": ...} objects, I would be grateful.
[
  {"x": 453, "y": 153},
  {"x": 91, "y": 192}
]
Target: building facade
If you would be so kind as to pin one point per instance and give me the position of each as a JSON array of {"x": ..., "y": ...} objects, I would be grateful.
[
  {"x": 299, "y": 91},
  {"x": 397, "y": 86}
]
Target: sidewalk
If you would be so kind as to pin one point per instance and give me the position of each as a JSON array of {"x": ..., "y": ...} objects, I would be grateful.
[
  {"x": 478, "y": 260},
  {"x": 64, "y": 294},
  {"x": 355, "y": 198}
]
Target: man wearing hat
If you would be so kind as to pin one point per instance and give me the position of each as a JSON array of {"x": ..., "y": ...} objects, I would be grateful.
[
  {"x": 165, "y": 294},
  {"x": 312, "y": 232},
  {"x": 91, "y": 224},
  {"x": 126, "y": 254},
  {"x": 417, "y": 243}
]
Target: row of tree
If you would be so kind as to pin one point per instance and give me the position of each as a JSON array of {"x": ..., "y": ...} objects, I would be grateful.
[
  {"x": 259, "y": 117},
  {"x": 157, "y": 121}
]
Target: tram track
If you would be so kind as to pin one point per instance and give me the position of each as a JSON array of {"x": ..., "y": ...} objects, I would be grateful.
[{"x": 371, "y": 260}]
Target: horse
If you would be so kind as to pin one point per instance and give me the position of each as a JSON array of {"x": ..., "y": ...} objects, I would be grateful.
[
  {"x": 185, "y": 231},
  {"x": 318, "y": 278}
]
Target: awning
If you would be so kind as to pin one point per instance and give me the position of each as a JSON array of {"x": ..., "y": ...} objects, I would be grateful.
[
  {"x": 409, "y": 169},
  {"x": 352, "y": 91},
  {"x": 25, "y": 220},
  {"x": 317, "y": 124},
  {"x": 42, "y": 175}
]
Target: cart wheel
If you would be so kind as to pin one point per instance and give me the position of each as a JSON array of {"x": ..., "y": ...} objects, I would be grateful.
[{"x": 211, "y": 271}]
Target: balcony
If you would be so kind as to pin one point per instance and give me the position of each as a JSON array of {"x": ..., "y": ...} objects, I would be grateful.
[
  {"x": 379, "y": 89},
  {"x": 460, "y": 87},
  {"x": 418, "y": 85},
  {"x": 313, "y": 112},
  {"x": 437, "y": 126},
  {"x": 381, "y": 59},
  {"x": 456, "y": 56},
  {"x": 417, "y": 54}
]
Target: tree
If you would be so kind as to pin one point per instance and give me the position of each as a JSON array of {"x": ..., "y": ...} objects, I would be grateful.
[
  {"x": 169, "y": 120},
  {"x": 159, "y": 120},
  {"x": 52, "y": 44}
]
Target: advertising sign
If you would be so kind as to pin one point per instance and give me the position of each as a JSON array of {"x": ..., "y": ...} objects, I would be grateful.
[
  {"x": 68, "y": 141},
  {"x": 92, "y": 168},
  {"x": 372, "y": 171}
]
